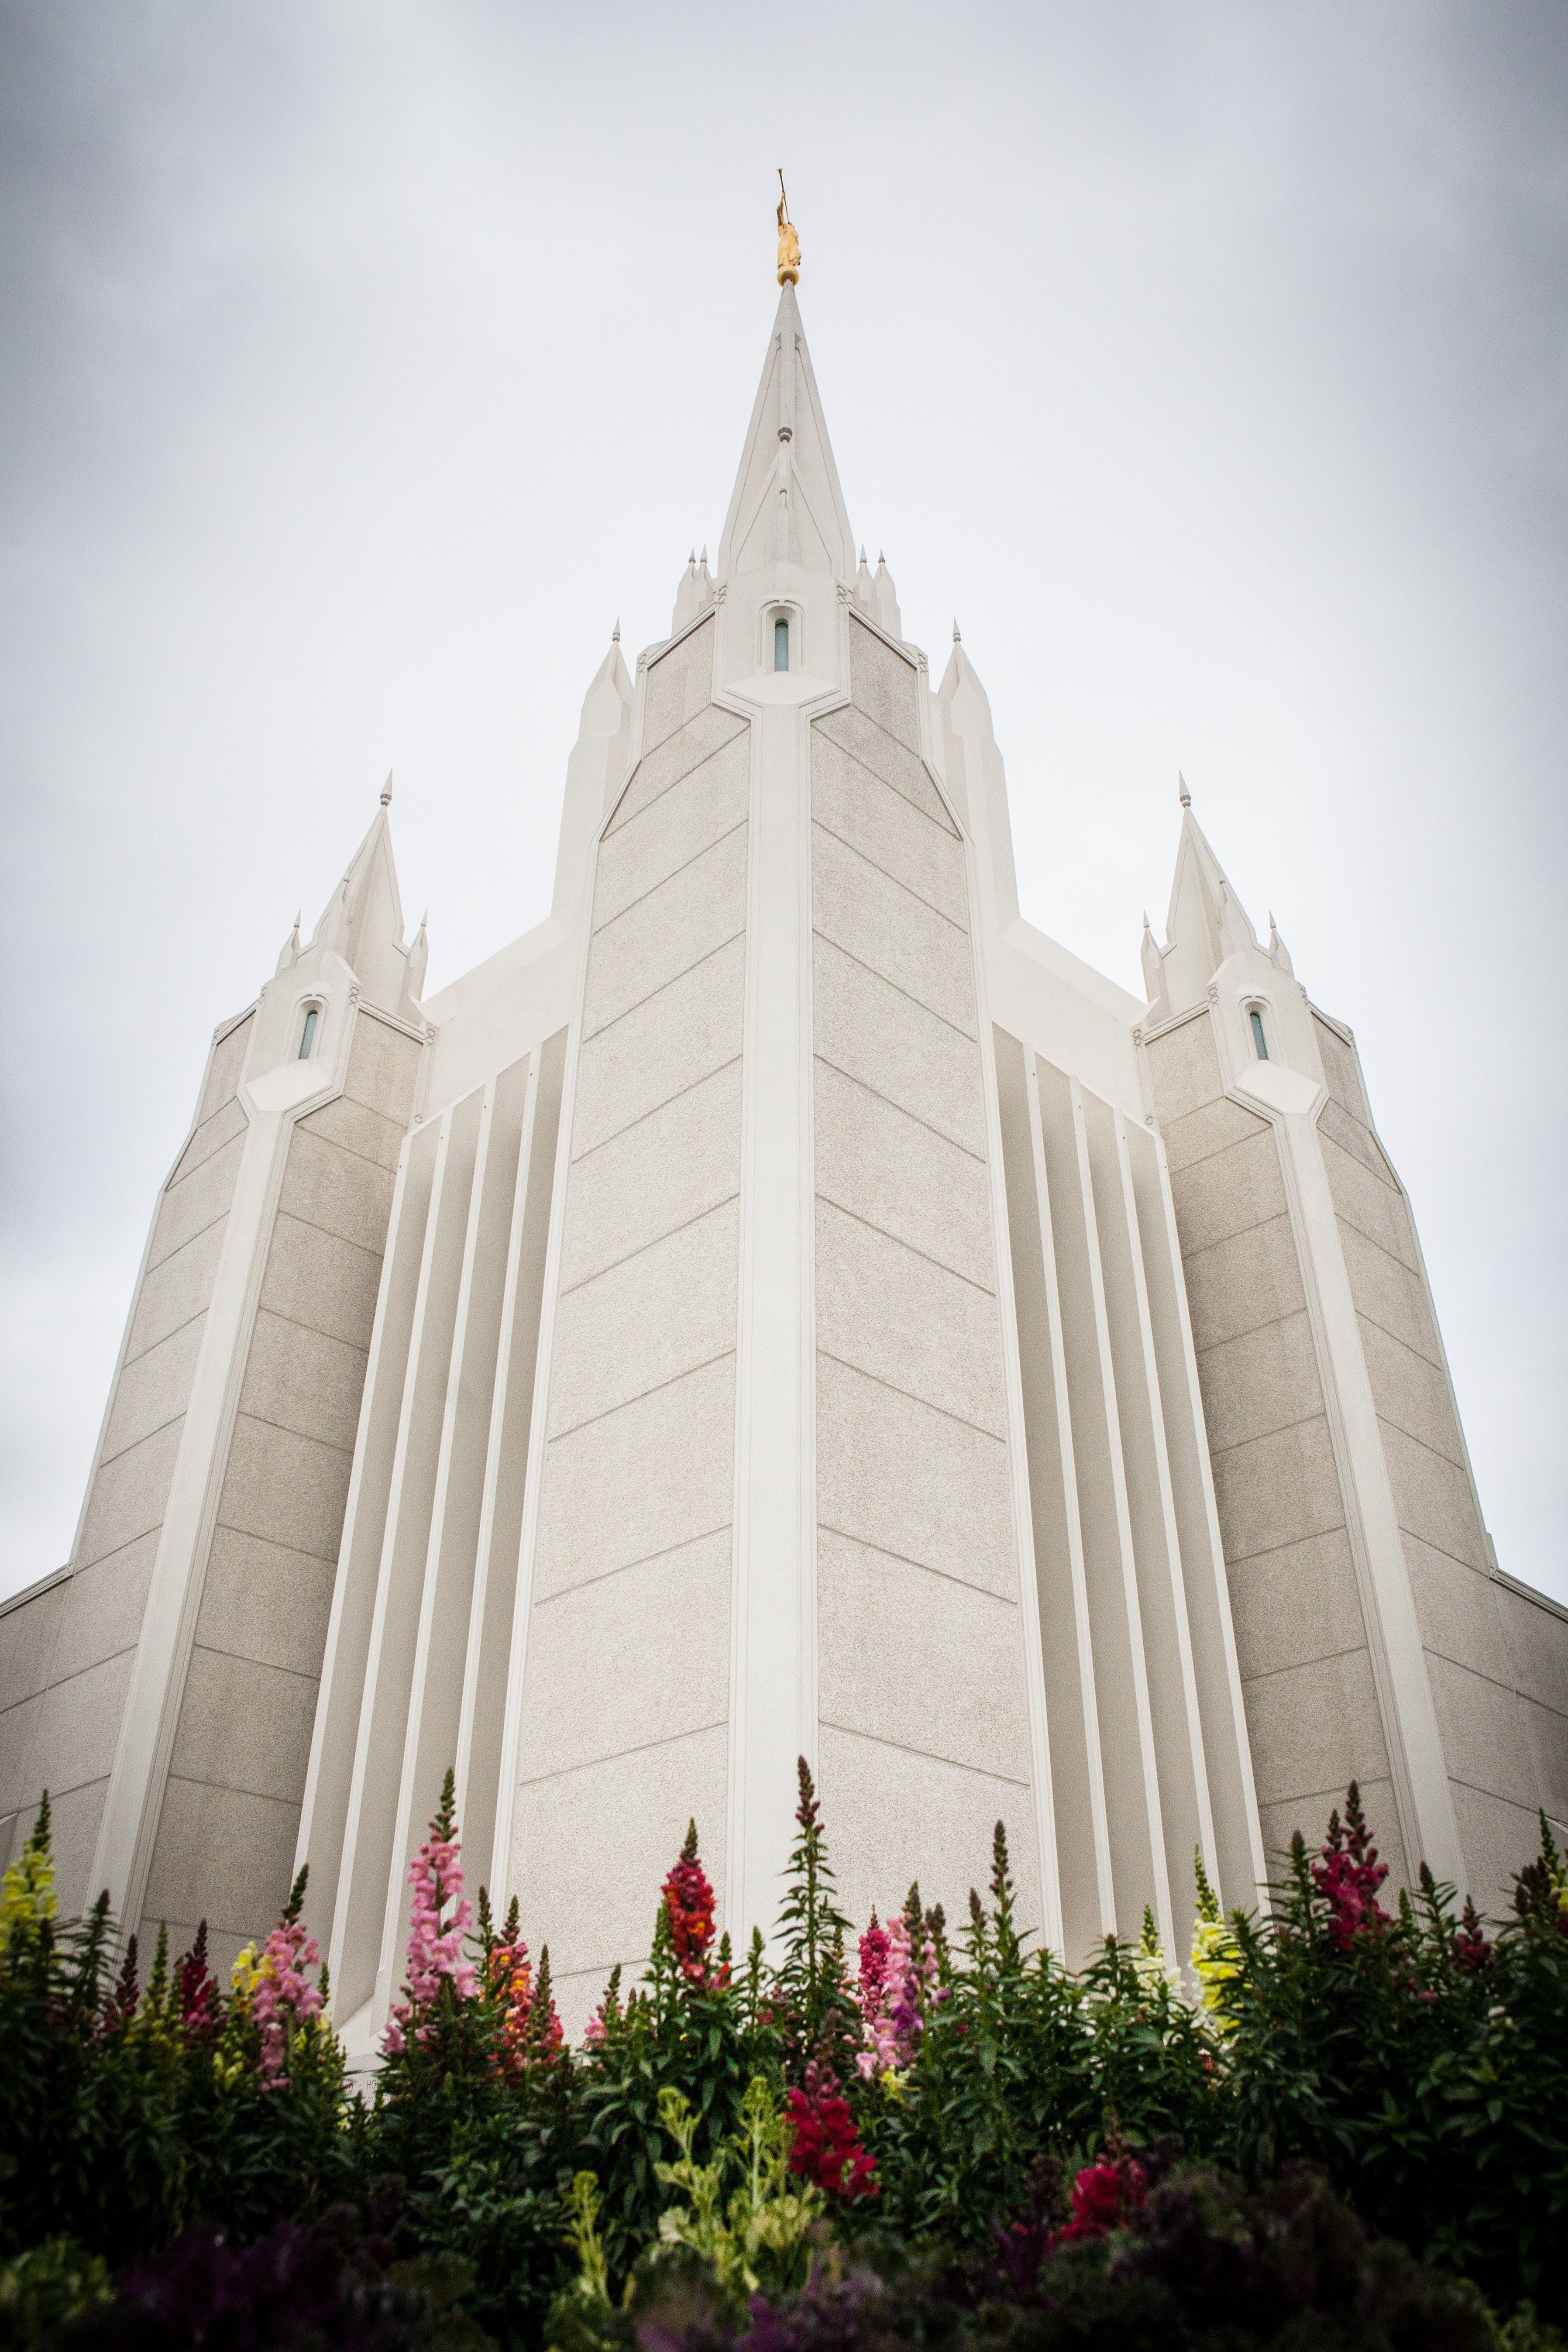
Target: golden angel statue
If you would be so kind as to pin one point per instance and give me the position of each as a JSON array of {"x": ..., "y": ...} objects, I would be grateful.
[{"x": 789, "y": 244}]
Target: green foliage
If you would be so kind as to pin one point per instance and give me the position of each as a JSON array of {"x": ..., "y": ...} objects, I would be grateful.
[
  {"x": 652, "y": 2183},
  {"x": 54, "y": 2282},
  {"x": 1423, "y": 2065},
  {"x": 1021, "y": 2060}
]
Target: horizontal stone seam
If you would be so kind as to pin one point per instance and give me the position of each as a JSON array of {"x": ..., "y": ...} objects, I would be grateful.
[
  {"x": 939, "y": 825},
  {"x": 821, "y": 825},
  {"x": 1249, "y": 1331},
  {"x": 232, "y": 1789},
  {"x": 898, "y": 1241},
  {"x": 644, "y": 1115},
  {"x": 1297, "y": 1665},
  {"x": 29, "y": 1806},
  {"x": 997, "y": 1437},
  {"x": 314, "y": 1225},
  {"x": 1231, "y": 1143},
  {"x": 173, "y": 1332},
  {"x": 1447, "y": 1459},
  {"x": 147, "y": 1436},
  {"x": 1479, "y": 1675},
  {"x": 1330, "y": 1796},
  {"x": 169, "y": 1255},
  {"x": 1280, "y": 1216},
  {"x": 626, "y": 1403},
  {"x": 903, "y": 1108},
  {"x": 1262, "y": 1438},
  {"x": 254, "y": 1535},
  {"x": 960, "y": 931},
  {"x": 1246, "y": 1558},
  {"x": 1326, "y": 1135},
  {"x": 58, "y": 1682},
  {"x": 240, "y": 1658},
  {"x": 244, "y": 1411},
  {"x": 885, "y": 1551},
  {"x": 569, "y": 1289},
  {"x": 1420, "y": 1354},
  {"x": 911, "y": 752},
  {"x": 928, "y": 1755},
  {"x": 845, "y": 843},
  {"x": 367, "y": 1158},
  {"x": 673, "y": 876},
  {"x": 210, "y": 1152},
  {"x": 616, "y": 1755},
  {"x": 591, "y": 1036},
  {"x": 850, "y": 957},
  {"x": 675, "y": 782},
  {"x": 276, "y": 1315},
  {"x": 645, "y": 1560},
  {"x": 1497, "y": 1796}
]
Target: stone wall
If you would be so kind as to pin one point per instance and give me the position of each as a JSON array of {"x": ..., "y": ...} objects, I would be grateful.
[
  {"x": 68, "y": 1654},
  {"x": 626, "y": 1697},
  {"x": 924, "y": 1739},
  {"x": 1306, "y": 1673}
]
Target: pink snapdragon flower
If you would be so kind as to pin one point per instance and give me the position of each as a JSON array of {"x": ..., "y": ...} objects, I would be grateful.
[
  {"x": 436, "y": 1934},
  {"x": 897, "y": 1973},
  {"x": 282, "y": 1997}
]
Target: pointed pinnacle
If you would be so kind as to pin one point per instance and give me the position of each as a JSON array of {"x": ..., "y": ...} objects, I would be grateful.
[
  {"x": 386, "y": 791},
  {"x": 1183, "y": 794},
  {"x": 704, "y": 559},
  {"x": 615, "y": 632},
  {"x": 956, "y": 637},
  {"x": 1146, "y": 921}
]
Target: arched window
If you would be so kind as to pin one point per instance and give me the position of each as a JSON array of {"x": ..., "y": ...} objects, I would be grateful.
[
  {"x": 1258, "y": 1039},
  {"x": 308, "y": 1034},
  {"x": 781, "y": 643}
]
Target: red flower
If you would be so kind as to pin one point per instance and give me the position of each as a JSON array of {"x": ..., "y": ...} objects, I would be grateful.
[
  {"x": 827, "y": 2148},
  {"x": 1103, "y": 2196},
  {"x": 1471, "y": 1948},
  {"x": 1349, "y": 1875},
  {"x": 688, "y": 1899}
]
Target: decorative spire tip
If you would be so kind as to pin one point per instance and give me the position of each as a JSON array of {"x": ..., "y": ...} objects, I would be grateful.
[
  {"x": 1182, "y": 793},
  {"x": 615, "y": 632},
  {"x": 957, "y": 635}
]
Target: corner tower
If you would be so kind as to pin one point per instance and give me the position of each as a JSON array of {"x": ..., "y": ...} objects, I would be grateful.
[
  {"x": 175, "y": 1682},
  {"x": 1376, "y": 1639}
]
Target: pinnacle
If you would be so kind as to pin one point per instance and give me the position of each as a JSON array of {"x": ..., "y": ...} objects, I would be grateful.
[
  {"x": 386, "y": 791},
  {"x": 957, "y": 638},
  {"x": 1183, "y": 794}
]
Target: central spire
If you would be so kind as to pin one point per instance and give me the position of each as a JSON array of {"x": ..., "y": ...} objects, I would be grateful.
[{"x": 787, "y": 508}]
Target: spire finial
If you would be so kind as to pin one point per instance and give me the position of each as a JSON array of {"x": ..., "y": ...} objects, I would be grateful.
[
  {"x": 615, "y": 632},
  {"x": 386, "y": 791},
  {"x": 957, "y": 635},
  {"x": 1182, "y": 793},
  {"x": 789, "y": 243}
]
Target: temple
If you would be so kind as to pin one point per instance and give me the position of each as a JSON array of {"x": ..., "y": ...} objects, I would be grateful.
[{"x": 781, "y": 1305}]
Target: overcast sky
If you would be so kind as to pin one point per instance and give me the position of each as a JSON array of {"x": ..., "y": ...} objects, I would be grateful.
[{"x": 363, "y": 360}]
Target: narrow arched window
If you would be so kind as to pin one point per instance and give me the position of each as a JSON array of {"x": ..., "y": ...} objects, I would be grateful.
[
  {"x": 781, "y": 643},
  {"x": 1258, "y": 1039},
  {"x": 308, "y": 1034}
]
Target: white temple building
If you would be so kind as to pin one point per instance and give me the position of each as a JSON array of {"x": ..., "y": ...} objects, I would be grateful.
[{"x": 783, "y": 1304}]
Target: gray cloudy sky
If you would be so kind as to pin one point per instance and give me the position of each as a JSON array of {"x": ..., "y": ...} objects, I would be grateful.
[{"x": 364, "y": 358}]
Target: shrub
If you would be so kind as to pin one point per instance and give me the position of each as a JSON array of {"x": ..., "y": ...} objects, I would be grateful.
[{"x": 898, "y": 2116}]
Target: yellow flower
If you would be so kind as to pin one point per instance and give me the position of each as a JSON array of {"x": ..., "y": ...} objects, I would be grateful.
[
  {"x": 27, "y": 1896},
  {"x": 1216, "y": 1955}
]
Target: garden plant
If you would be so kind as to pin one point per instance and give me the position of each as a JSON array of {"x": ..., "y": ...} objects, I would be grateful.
[{"x": 1345, "y": 2126}]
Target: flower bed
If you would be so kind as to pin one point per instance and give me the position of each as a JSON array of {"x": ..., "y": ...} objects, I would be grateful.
[{"x": 1349, "y": 2132}]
